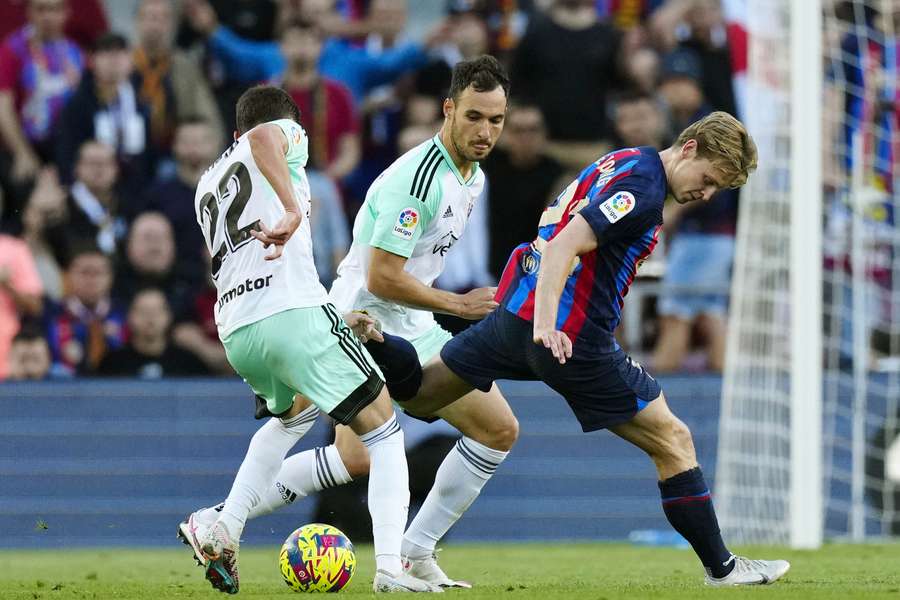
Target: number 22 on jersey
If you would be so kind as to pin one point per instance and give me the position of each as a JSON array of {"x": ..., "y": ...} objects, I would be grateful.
[{"x": 231, "y": 196}]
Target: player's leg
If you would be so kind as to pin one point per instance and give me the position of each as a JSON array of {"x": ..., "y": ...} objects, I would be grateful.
[
  {"x": 301, "y": 475},
  {"x": 348, "y": 386},
  {"x": 251, "y": 350},
  {"x": 489, "y": 431},
  {"x": 265, "y": 454},
  {"x": 388, "y": 494},
  {"x": 686, "y": 498}
]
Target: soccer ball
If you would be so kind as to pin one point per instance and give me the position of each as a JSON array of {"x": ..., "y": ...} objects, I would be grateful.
[{"x": 317, "y": 558}]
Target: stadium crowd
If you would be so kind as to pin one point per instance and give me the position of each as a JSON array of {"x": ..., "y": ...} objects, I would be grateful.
[{"x": 103, "y": 137}]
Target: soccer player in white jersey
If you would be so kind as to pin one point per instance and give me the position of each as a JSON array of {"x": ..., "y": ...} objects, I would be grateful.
[
  {"x": 413, "y": 213},
  {"x": 284, "y": 338}
]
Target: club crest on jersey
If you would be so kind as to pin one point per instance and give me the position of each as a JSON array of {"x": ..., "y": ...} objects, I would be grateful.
[
  {"x": 530, "y": 264},
  {"x": 617, "y": 206},
  {"x": 406, "y": 223}
]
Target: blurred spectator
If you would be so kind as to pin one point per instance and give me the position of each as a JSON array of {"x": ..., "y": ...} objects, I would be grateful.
[
  {"x": 360, "y": 69},
  {"x": 700, "y": 25},
  {"x": 700, "y": 242},
  {"x": 467, "y": 39},
  {"x": 39, "y": 70},
  {"x": 46, "y": 206},
  {"x": 644, "y": 68},
  {"x": 628, "y": 14},
  {"x": 195, "y": 148},
  {"x": 330, "y": 230},
  {"x": 20, "y": 292},
  {"x": 94, "y": 210},
  {"x": 87, "y": 322},
  {"x": 639, "y": 121},
  {"x": 521, "y": 182},
  {"x": 83, "y": 25},
  {"x": 150, "y": 262},
  {"x": 252, "y": 19},
  {"x": 29, "y": 355},
  {"x": 506, "y": 20},
  {"x": 198, "y": 333},
  {"x": 149, "y": 353},
  {"x": 326, "y": 106},
  {"x": 169, "y": 82},
  {"x": 567, "y": 63},
  {"x": 680, "y": 88},
  {"x": 106, "y": 108}
]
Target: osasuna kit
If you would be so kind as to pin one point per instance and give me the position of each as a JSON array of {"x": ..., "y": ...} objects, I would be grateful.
[{"x": 279, "y": 331}]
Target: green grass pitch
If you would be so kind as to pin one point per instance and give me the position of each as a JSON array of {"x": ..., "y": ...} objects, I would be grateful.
[{"x": 499, "y": 571}]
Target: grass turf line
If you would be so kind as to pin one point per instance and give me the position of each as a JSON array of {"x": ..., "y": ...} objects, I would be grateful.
[{"x": 518, "y": 572}]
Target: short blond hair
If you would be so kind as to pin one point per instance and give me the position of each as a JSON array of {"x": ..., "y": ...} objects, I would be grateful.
[{"x": 725, "y": 142}]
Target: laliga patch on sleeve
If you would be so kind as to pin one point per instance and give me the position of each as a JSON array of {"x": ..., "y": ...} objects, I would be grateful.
[
  {"x": 296, "y": 134},
  {"x": 406, "y": 223},
  {"x": 617, "y": 206}
]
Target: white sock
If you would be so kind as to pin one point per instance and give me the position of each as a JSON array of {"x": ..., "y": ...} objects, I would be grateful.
[
  {"x": 388, "y": 493},
  {"x": 264, "y": 457},
  {"x": 458, "y": 482},
  {"x": 301, "y": 475}
]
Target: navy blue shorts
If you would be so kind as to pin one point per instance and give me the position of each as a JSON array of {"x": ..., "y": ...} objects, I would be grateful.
[{"x": 602, "y": 389}]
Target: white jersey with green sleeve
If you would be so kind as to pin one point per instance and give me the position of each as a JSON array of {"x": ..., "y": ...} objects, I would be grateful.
[
  {"x": 232, "y": 196},
  {"x": 417, "y": 208}
]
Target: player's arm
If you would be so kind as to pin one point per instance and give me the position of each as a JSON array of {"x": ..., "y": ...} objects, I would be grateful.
[
  {"x": 576, "y": 238},
  {"x": 389, "y": 280},
  {"x": 268, "y": 145}
]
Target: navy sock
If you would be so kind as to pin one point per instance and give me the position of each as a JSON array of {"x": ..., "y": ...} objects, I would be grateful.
[
  {"x": 399, "y": 363},
  {"x": 689, "y": 508}
]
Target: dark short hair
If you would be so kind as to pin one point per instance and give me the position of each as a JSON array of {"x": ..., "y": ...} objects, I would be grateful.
[
  {"x": 628, "y": 96},
  {"x": 264, "y": 103},
  {"x": 301, "y": 24},
  {"x": 110, "y": 42},
  {"x": 29, "y": 331},
  {"x": 148, "y": 289},
  {"x": 82, "y": 246},
  {"x": 484, "y": 73}
]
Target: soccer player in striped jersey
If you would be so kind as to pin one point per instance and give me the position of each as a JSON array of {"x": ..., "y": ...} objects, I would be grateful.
[
  {"x": 561, "y": 296},
  {"x": 284, "y": 338}
]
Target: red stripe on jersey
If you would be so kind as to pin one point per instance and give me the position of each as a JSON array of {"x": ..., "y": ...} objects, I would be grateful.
[
  {"x": 580, "y": 192},
  {"x": 527, "y": 310},
  {"x": 581, "y": 295},
  {"x": 509, "y": 274},
  {"x": 637, "y": 263}
]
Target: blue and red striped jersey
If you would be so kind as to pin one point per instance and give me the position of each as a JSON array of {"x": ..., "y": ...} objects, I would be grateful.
[{"x": 621, "y": 196}]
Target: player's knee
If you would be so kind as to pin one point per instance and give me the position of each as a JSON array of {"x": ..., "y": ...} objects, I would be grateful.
[
  {"x": 356, "y": 462},
  {"x": 679, "y": 443},
  {"x": 504, "y": 433}
]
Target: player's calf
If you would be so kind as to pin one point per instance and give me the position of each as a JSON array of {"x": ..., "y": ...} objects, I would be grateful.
[{"x": 352, "y": 452}]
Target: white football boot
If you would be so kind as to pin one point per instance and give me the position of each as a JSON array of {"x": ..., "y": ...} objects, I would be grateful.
[
  {"x": 750, "y": 572},
  {"x": 428, "y": 570},
  {"x": 404, "y": 582},
  {"x": 192, "y": 530},
  {"x": 221, "y": 551}
]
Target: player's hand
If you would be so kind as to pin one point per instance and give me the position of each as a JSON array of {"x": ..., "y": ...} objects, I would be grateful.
[
  {"x": 364, "y": 327},
  {"x": 279, "y": 234},
  {"x": 478, "y": 303},
  {"x": 556, "y": 341}
]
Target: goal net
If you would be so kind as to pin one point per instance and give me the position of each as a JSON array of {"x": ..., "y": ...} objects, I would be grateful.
[{"x": 809, "y": 440}]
